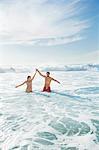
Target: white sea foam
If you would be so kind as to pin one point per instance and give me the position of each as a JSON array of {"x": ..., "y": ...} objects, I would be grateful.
[
  {"x": 66, "y": 119},
  {"x": 86, "y": 67}
]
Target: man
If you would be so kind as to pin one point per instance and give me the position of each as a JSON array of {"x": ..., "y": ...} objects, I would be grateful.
[{"x": 48, "y": 80}]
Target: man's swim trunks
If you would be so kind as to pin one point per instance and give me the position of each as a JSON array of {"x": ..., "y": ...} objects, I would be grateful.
[{"x": 46, "y": 89}]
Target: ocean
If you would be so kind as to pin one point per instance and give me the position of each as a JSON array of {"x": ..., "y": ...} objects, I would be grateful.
[{"x": 66, "y": 119}]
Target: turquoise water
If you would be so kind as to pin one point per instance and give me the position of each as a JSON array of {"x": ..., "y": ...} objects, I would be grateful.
[{"x": 66, "y": 119}]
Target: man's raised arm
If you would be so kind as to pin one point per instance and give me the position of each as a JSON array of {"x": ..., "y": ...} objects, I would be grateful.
[{"x": 40, "y": 73}]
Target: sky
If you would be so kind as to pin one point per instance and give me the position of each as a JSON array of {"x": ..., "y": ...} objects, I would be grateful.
[{"x": 49, "y": 32}]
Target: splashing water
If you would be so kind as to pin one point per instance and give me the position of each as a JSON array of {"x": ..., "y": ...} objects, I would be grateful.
[{"x": 66, "y": 119}]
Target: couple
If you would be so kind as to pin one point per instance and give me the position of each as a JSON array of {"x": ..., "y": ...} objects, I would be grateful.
[{"x": 48, "y": 80}]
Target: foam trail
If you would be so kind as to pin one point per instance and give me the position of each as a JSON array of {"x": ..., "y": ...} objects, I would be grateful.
[{"x": 66, "y": 119}]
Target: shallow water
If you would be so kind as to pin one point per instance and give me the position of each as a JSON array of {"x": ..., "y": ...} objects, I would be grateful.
[{"x": 66, "y": 119}]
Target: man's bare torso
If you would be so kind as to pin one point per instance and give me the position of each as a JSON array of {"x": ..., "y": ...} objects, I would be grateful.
[{"x": 47, "y": 82}]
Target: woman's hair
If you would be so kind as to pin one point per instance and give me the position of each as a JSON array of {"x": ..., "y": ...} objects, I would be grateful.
[{"x": 28, "y": 77}]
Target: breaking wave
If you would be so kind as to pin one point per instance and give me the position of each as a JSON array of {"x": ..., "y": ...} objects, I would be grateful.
[{"x": 86, "y": 67}]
